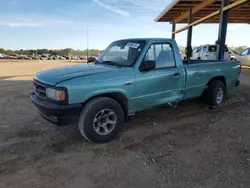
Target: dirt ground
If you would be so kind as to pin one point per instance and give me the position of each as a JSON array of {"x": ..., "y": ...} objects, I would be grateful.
[{"x": 188, "y": 146}]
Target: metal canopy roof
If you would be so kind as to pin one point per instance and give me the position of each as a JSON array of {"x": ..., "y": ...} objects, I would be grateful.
[{"x": 177, "y": 11}]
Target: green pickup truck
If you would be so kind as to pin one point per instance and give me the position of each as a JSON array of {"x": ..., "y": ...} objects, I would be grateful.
[{"x": 131, "y": 75}]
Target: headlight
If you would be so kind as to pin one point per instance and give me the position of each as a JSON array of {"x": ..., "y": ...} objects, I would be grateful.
[{"x": 54, "y": 94}]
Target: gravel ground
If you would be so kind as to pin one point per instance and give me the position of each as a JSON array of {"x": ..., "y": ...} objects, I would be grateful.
[{"x": 188, "y": 146}]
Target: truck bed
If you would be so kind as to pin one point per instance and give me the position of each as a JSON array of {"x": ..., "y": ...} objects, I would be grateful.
[
  {"x": 199, "y": 72},
  {"x": 187, "y": 62}
]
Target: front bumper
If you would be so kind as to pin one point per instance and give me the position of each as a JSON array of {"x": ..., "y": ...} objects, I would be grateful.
[{"x": 54, "y": 113}]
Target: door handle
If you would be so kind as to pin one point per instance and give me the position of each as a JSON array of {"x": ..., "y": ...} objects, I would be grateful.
[{"x": 177, "y": 75}]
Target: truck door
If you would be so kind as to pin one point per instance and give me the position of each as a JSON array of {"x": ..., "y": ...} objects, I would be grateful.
[
  {"x": 212, "y": 51},
  {"x": 162, "y": 84},
  {"x": 198, "y": 53},
  {"x": 194, "y": 53},
  {"x": 204, "y": 53}
]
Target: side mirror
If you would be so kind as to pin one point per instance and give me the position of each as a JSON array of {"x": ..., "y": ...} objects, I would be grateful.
[
  {"x": 147, "y": 65},
  {"x": 91, "y": 59}
]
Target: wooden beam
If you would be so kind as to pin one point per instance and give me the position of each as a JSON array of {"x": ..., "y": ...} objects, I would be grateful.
[
  {"x": 202, "y": 14},
  {"x": 195, "y": 9},
  {"x": 216, "y": 19},
  {"x": 235, "y": 4},
  {"x": 230, "y": 17},
  {"x": 229, "y": 21},
  {"x": 198, "y": 21},
  {"x": 166, "y": 10}
]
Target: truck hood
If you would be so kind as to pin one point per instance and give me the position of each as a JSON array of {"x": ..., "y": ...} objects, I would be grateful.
[{"x": 57, "y": 75}]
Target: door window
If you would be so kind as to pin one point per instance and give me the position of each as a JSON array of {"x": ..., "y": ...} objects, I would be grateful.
[
  {"x": 198, "y": 49},
  {"x": 213, "y": 48},
  {"x": 162, "y": 54},
  {"x": 204, "y": 48},
  {"x": 195, "y": 49}
]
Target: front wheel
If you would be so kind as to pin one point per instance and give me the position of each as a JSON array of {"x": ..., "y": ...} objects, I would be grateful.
[
  {"x": 216, "y": 94},
  {"x": 101, "y": 120}
]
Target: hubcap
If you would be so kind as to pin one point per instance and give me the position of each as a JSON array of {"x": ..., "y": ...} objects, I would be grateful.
[
  {"x": 220, "y": 95},
  {"x": 104, "y": 121}
]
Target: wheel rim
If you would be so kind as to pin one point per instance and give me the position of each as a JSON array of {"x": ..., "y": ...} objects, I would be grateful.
[
  {"x": 105, "y": 121},
  {"x": 220, "y": 95}
]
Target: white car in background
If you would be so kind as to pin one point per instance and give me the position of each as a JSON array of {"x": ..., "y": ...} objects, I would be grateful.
[
  {"x": 233, "y": 55},
  {"x": 208, "y": 52},
  {"x": 244, "y": 57},
  {"x": 2, "y": 56}
]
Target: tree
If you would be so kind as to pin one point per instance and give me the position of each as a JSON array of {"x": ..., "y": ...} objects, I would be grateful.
[
  {"x": 2, "y": 51},
  {"x": 61, "y": 52}
]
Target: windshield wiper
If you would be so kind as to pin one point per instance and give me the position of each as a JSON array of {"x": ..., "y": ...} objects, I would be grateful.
[{"x": 111, "y": 63}]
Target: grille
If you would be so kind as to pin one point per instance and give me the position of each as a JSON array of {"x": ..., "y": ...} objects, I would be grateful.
[{"x": 40, "y": 90}]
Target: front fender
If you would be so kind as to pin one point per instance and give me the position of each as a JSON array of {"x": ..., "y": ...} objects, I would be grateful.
[
  {"x": 79, "y": 94},
  {"x": 104, "y": 92}
]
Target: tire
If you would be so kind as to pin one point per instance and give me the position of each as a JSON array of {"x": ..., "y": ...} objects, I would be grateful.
[
  {"x": 216, "y": 89},
  {"x": 93, "y": 121}
]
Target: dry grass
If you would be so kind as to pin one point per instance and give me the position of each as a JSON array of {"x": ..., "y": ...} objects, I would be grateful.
[{"x": 25, "y": 69}]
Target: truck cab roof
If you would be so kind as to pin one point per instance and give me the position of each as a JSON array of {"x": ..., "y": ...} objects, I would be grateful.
[{"x": 149, "y": 39}]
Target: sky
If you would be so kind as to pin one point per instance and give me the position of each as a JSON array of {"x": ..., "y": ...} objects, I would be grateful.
[{"x": 58, "y": 24}]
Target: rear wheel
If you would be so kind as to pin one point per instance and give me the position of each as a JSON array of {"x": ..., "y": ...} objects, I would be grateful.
[
  {"x": 216, "y": 94},
  {"x": 101, "y": 119}
]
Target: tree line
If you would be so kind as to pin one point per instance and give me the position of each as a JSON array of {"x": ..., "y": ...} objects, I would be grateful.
[
  {"x": 91, "y": 52},
  {"x": 61, "y": 52}
]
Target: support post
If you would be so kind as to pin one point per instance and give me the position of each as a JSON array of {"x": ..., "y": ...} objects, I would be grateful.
[
  {"x": 222, "y": 30},
  {"x": 189, "y": 36},
  {"x": 173, "y": 30},
  {"x": 87, "y": 40}
]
